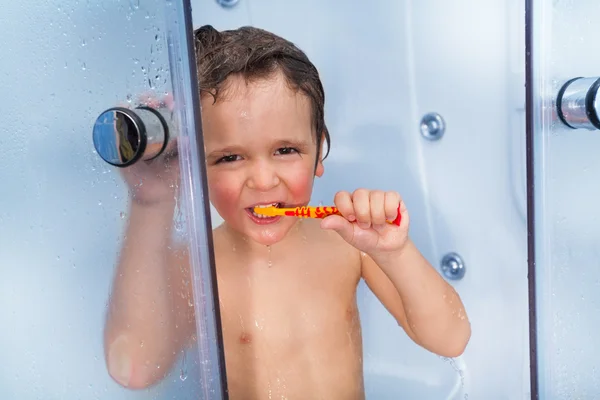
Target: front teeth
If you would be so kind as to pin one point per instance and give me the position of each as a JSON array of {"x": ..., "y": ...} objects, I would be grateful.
[
  {"x": 267, "y": 205},
  {"x": 260, "y": 215}
]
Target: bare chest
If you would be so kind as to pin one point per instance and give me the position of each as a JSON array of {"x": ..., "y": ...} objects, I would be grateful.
[
  {"x": 279, "y": 304},
  {"x": 290, "y": 322}
]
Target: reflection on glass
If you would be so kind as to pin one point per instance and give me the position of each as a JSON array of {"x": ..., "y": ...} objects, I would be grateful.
[
  {"x": 122, "y": 136},
  {"x": 116, "y": 137}
]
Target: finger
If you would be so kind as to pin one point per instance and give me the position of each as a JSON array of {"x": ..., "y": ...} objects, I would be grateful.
[
  {"x": 377, "y": 202},
  {"x": 343, "y": 202},
  {"x": 362, "y": 210},
  {"x": 392, "y": 201},
  {"x": 124, "y": 104},
  {"x": 149, "y": 99},
  {"x": 169, "y": 102},
  {"x": 341, "y": 225},
  {"x": 172, "y": 147}
]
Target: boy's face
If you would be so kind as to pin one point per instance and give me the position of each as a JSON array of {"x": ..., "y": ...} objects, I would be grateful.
[{"x": 260, "y": 149}]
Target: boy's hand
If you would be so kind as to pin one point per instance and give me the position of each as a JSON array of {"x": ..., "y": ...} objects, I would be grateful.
[
  {"x": 364, "y": 225},
  {"x": 154, "y": 182}
]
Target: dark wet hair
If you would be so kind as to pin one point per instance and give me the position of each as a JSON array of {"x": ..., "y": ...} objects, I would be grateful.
[{"x": 256, "y": 54}]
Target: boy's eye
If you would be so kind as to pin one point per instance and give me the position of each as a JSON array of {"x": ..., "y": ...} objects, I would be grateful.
[
  {"x": 286, "y": 150},
  {"x": 228, "y": 158}
]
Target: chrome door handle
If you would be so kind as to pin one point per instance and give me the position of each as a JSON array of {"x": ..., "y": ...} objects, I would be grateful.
[
  {"x": 123, "y": 136},
  {"x": 578, "y": 103}
]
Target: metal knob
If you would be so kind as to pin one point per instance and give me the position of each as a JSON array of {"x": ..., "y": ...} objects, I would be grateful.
[
  {"x": 453, "y": 266},
  {"x": 578, "y": 105},
  {"x": 123, "y": 136}
]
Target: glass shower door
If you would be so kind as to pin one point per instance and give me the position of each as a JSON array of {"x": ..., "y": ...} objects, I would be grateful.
[
  {"x": 565, "y": 139},
  {"x": 65, "y": 210}
]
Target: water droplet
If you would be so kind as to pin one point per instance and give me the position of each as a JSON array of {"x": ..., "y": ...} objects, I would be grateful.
[
  {"x": 142, "y": 343},
  {"x": 83, "y": 43},
  {"x": 183, "y": 372},
  {"x": 258, "y": 325},
  {"x": 100, "y": 202},
  {"x": 83, "y": 66},
  {"x": 270, "y": 262}
]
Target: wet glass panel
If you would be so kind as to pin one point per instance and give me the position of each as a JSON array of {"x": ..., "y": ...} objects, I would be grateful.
[
  {"x": 102, "y": 212},
  {"x": 565, "y": 82}
]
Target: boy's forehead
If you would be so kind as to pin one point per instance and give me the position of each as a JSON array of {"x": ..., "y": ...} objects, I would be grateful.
[
  {"x": 266, "y": 106},
  {"x": 255, "y": 96}
]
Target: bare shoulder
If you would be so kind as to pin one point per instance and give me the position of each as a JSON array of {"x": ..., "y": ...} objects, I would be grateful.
[
  {"x": 222, "y": 244},
  {"x": 218, "y": 235}
]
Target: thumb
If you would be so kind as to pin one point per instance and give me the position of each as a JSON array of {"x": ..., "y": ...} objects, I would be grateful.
[{"x": 339, "y": 224}]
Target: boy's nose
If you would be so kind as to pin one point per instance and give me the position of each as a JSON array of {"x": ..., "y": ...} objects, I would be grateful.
[{"x": 263, "y": 177}]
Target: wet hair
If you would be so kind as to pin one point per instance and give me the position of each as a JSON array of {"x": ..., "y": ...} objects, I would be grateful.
[{"x": 255, "y": 54}]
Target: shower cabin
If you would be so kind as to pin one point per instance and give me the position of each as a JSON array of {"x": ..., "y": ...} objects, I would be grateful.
[{"x": 484, "y": 115}]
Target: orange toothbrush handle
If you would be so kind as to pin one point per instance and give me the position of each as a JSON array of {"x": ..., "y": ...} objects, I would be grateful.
[
  {"x": 322, "y": 212},
  {"x": 312, "y": 212}
]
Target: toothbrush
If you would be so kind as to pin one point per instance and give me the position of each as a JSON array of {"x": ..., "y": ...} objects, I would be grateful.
[{"x": 309, "y": 212}]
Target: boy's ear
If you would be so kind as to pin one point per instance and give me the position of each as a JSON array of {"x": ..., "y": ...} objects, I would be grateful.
[{"x": 320, "y": 169}]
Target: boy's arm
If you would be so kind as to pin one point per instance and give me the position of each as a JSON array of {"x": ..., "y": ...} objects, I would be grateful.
[
  {"x": 423, "y": 303},
  {"x": 150, "y": 314}
]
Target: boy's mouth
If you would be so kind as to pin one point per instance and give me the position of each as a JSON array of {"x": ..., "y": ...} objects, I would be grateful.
[{"x": 259, "y": 216}]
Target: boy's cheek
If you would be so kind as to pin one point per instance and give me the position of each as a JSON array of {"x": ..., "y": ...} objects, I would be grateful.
[
  {"x": 300, "y": 184},
  {"x": 223, "y": 196}
]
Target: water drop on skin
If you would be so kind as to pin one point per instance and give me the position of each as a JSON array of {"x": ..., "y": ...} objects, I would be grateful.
[{"x": 270, "y": 261}]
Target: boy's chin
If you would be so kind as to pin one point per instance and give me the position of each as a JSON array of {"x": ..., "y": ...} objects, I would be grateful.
[{"x": 270, "y": 235}]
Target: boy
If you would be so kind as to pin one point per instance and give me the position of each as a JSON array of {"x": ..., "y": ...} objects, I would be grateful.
[{"x": 287, "y": 287}]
